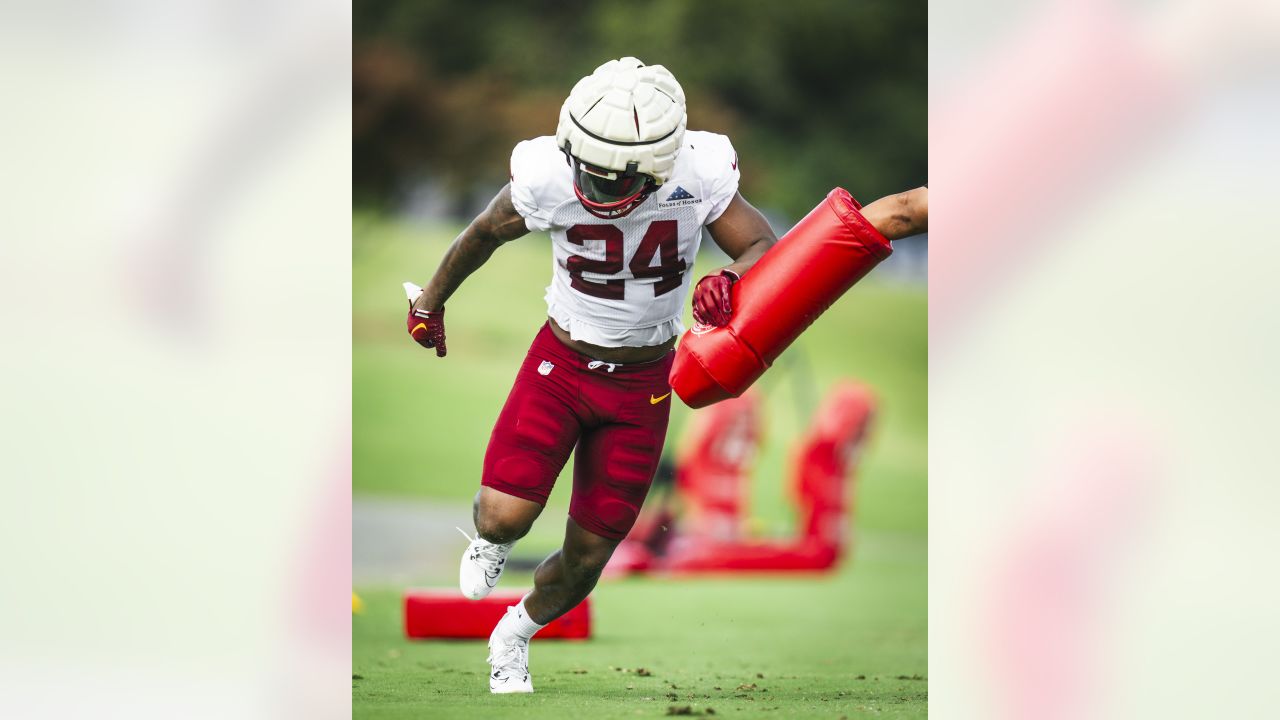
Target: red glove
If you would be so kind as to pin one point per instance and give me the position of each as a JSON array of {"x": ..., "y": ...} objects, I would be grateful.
[
  {"x": 711, "y": 304},
  {"x": 427, "y": 328}
]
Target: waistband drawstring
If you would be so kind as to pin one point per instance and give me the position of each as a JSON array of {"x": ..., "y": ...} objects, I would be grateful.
[{"x": 596, "y": 364}]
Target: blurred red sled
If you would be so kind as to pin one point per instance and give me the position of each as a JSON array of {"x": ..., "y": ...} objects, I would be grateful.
[
  {"x": 446, "y": 614},
  {"x": 711, "y": 481},
  {"x": 751, "y": 556}
]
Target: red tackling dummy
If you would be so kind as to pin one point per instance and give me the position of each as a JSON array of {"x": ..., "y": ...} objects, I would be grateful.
[{"x": 828, "y": 251}]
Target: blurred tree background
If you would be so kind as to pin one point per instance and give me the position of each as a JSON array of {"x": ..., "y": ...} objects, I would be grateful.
[{"x": 813, "y": 93}]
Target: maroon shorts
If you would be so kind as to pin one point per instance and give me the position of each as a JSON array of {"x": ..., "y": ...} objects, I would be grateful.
[{"x": 616, "y": 417}]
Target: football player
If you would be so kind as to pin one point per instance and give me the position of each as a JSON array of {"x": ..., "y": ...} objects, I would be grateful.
[{"x": 624, "y": 190}]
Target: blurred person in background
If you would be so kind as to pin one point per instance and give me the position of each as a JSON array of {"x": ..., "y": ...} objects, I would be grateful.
[{"x": 624, "y": 190}]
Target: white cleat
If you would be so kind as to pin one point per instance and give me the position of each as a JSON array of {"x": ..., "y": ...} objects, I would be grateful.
[
  {"x": 482, "y": 566},
  {"x": 509, "y": 664}
]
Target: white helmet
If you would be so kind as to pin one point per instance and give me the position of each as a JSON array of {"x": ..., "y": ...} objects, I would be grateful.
[{"x": 621, "y": 128}]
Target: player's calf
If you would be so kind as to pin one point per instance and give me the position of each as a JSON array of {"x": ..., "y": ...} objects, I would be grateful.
[
  {"x": 560, "y": 582},
  {"x": 569, "y": 574}
]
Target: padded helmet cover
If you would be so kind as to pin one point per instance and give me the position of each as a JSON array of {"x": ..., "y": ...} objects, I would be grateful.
[{"x": 625, "y": 112}]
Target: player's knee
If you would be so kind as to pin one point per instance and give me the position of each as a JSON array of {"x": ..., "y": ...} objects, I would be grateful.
[
  {"x": 501, "y": 518},
  {"x": 501, "y": 529},
  {"x": 499, "y": 526}
]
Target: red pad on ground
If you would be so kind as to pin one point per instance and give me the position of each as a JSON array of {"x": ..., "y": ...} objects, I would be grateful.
[{"x": 446, "y": 614}]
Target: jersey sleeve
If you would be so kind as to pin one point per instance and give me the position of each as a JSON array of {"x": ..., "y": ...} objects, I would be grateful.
[
  {"x": 531, "y": 191},
  {"x": 720, "y": 169}
]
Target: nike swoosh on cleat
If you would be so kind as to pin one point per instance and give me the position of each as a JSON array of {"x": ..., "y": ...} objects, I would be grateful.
[{"x": 655, "y": 400}]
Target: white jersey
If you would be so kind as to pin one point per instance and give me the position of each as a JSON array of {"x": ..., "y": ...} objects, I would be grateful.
[{"x": 623, "y": 282}]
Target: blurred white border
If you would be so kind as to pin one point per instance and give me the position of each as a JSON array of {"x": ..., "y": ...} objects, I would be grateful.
[
  {"x": 1101, "y": 348},
  {"x": 176, "y": 282}
]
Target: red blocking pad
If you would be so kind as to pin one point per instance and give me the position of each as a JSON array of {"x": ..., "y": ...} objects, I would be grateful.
[
  {"x": 819, "y": 259},
  {"x": 446, "y": 614}
]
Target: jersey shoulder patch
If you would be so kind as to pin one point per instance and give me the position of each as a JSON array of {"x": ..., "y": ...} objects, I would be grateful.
[
  {"x": 714, "y": 162},
  {"x": 540, "y": 181}
]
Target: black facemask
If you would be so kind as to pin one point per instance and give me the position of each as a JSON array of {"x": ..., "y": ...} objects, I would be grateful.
[{"x": 608, "y": 197}]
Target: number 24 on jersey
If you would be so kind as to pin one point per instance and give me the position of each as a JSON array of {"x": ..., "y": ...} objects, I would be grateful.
[{"x": 660, "y": 239}]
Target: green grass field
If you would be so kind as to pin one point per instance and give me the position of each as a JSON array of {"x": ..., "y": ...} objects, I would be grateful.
[{"x": 850, "y": 644}]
